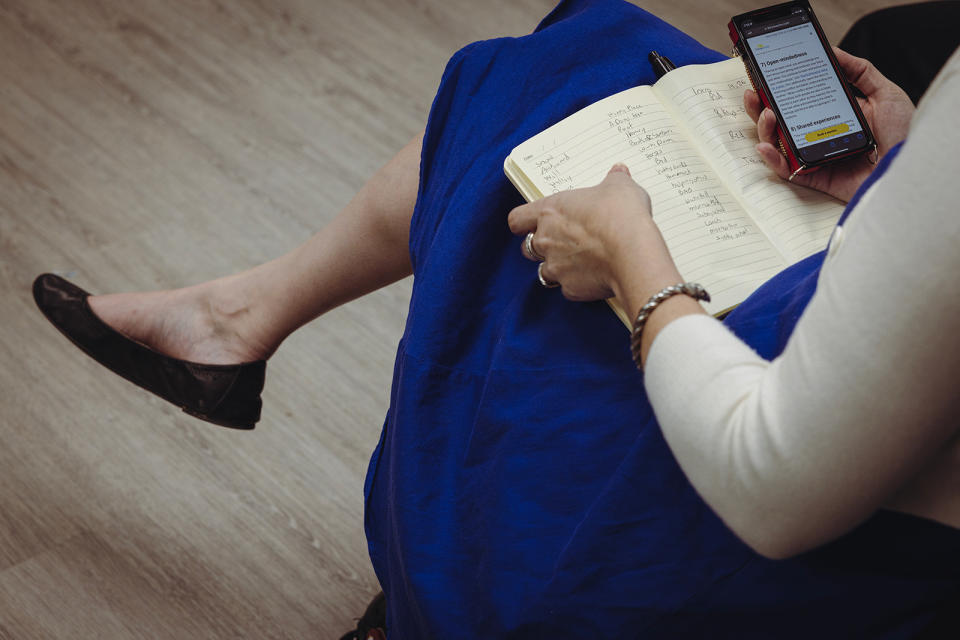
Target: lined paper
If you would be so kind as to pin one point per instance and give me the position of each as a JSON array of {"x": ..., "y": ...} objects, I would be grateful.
[
  {"x": 708, "y": 233},
  {"x": 708, "y": 100}
]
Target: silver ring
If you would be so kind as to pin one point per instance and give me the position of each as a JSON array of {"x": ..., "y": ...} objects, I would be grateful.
[
  {"x": 544, "y": 281},
  {"x": 532, "y": 253}
]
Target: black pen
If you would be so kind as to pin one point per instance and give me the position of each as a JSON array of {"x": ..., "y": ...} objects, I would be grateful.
[{"x": 660, "y": 64}]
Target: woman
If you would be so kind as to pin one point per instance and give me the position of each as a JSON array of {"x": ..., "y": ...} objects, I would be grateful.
[
  {"x": 796, "y": 451},
  {"x": 522, "y": 487}
]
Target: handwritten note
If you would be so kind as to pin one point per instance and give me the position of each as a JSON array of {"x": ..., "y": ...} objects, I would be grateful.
[
  {"x": 710, "y": 237},
  {"x": 729, "y": 222},
  {"x": 709, "y": 102}
]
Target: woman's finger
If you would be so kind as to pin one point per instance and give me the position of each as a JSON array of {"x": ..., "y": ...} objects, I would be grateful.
[
  {"x": 767, "y": 127},
  {"x": 767, "y": 132},
  {"x": 752, "y": 103},
  {"x": 619, "y": 167},
  {"x": 529, "y": 250},
  {"x": 523, "y": 219},
  {"x": 546, "y": 277},
  {"x": 773, "y": 159},
  {"x": 860, "y": 72}
]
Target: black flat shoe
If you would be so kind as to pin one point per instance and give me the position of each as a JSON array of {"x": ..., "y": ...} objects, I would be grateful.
[
  {"x": 373, "y": 624},
  {"x": 226, "y": 395}
]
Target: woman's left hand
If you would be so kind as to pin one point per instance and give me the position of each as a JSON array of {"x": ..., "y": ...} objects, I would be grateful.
[{"x": 599, "y": 241}]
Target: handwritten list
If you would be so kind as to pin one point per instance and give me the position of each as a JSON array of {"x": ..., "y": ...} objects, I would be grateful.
[
  {"x": 728, "y": 221},
  {"x": 796, "y": 219}
]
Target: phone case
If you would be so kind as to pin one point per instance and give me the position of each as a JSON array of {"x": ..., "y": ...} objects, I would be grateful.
[{"x": 797, "y": 167}]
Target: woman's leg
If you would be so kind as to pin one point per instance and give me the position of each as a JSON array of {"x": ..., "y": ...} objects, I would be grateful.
[{"x": 244, "y": 317}]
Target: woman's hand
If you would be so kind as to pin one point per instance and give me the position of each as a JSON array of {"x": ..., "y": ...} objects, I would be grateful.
[
  {"x": 886, "y": 107},
  {"x": 600, "y": 242},
  {"x": 589, "y": 238}
]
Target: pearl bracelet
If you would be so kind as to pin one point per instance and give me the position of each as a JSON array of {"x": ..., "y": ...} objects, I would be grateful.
[{"x": 691, "y": 289}]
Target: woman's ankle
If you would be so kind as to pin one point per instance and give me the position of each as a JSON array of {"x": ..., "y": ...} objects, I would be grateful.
[{"x": 188, "y": 324}]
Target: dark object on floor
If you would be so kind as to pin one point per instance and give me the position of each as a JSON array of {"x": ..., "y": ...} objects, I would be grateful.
[
  {"x": 908, "y": 44},
  {"x": 373, "y": 624},
  {"x": 226, "y": 395}
]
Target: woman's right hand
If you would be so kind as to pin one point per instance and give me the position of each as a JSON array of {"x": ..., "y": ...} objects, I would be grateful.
[{"x": 888, "y": 111}]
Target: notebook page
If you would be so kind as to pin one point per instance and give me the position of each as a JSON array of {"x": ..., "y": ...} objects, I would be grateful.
[
  {"x": 710, "y": 237},
  {"x": 709, "y": 101}
]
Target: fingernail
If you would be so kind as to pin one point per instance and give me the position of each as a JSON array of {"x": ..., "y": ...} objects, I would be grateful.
[{"x": 620, "y": 167}]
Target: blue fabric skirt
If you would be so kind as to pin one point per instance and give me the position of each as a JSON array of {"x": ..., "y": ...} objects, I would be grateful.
[{"x": 522, "y": 487}]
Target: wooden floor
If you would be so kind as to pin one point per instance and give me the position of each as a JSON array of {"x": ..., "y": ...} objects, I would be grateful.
[{"x": 150, "y": 145}]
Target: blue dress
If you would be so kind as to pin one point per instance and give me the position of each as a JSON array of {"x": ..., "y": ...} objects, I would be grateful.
[{"x": 521, "y": 487}]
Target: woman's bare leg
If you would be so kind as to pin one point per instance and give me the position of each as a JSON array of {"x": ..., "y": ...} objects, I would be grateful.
[{"x": 245, "y": 317}]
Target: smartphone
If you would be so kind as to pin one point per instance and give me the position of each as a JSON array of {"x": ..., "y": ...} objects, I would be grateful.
[{"x": 796, "y": 75}]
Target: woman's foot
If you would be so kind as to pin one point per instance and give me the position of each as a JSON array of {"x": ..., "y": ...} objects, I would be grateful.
[{"x": 210, "y": 323}]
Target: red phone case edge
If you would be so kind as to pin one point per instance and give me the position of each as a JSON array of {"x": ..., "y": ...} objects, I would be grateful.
[{"x": 793, "y": 162}]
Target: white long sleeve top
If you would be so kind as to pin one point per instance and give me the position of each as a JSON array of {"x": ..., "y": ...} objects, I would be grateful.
[{"x": 862, "y": 409}]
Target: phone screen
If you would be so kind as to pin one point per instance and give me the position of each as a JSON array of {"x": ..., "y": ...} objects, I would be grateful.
[{"x": 812, "y": 102}]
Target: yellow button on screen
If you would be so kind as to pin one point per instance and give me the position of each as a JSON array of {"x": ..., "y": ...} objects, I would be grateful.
[{"x": 835, "y": 130}]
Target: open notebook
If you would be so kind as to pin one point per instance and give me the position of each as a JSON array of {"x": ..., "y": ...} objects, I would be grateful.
[{"x": 729, "y": 222}]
